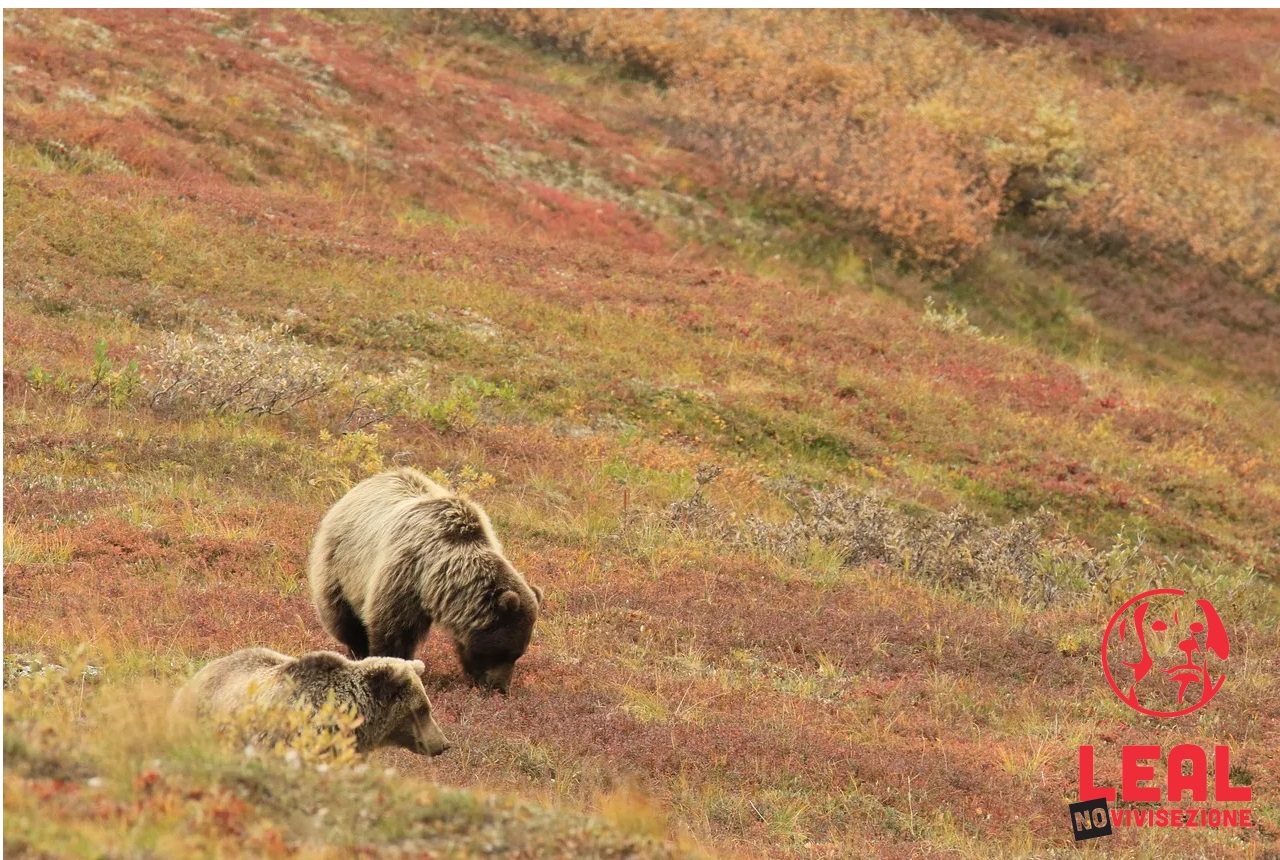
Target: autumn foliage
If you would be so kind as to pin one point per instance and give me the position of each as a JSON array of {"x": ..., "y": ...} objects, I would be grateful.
[{"x": 906, "y": 126}]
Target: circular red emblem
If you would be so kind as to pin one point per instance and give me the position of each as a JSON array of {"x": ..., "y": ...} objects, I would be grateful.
[{"x": 1160, "y": 653}]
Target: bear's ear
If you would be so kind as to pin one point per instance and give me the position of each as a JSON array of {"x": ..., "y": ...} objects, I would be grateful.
[
  {"x": 508, "y": 602},
  {"x": 537, "y": 593},
  {"x": 419, "y": 668},
  {"x": 385, "y": 683}
]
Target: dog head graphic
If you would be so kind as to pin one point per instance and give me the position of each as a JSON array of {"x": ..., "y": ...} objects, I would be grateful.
[{"x": 1162, "y": 652}]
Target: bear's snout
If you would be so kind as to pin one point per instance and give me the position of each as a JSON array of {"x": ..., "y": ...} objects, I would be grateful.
[
  {"x": 498, "y": 678},
  {"x": 431, "y": 741},
  {"x": 433, "y": 751}
]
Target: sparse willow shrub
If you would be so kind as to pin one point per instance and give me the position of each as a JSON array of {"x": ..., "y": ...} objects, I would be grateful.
[
  {"x": 251, "y": 371},
  {"x": 108, "y": 381},
  {"x": 953, "y": 320},
  {"x": 38, "y": 377},
  {"x": 694, "y": 509},
  {"x": 376, "y": 398},
  {"x": 1028, "y": 559},
  {"x": 295, "y": 732}
]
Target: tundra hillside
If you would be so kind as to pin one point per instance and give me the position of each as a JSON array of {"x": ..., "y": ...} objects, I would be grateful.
[{"x": 835, "y": 376}]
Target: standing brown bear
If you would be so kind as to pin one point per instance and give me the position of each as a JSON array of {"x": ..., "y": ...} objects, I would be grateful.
[{"x": 399, "y": 553}]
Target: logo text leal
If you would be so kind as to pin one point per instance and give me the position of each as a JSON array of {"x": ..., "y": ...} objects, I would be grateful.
[{"x": 1138, "y": 766}]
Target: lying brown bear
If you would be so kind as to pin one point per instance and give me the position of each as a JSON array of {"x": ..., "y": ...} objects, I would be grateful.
[{"x": 387, "y": 694}]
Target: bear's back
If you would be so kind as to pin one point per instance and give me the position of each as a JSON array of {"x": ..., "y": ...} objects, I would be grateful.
[
  {"x": 395, "y": 485},
  {"x": 231, "y": 682},
  {"x": 316, "y": 675},
  {"x": 448, "y": 519}
]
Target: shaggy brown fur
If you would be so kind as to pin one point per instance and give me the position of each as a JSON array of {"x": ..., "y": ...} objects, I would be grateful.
[
  {"x": 399, "y": 553},
  {"x": 387, "y": 693}
]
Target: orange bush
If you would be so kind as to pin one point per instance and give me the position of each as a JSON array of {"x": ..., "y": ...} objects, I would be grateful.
[{"x": 915, "y": 132}]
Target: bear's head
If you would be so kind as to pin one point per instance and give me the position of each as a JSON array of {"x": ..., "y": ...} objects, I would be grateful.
[
  {"x": 401, "y": 711},
  {"x": 489, "y": 655}
]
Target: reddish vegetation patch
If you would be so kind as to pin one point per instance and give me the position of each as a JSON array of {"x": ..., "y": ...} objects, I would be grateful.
[
  {"x": 314, "y": 95},
  {"x": 1040, "y": 393},
  {"x": 585, "y": 220},
  {"x": 126, "y": 586},
  {"x": 754, "y": 741},
  {"x": 741, "y": 605}
]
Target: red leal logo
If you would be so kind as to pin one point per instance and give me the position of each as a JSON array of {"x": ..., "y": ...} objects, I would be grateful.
[{"x": 1162, "y": 655}]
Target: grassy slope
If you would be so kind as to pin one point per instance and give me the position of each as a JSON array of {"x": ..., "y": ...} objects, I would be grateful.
[{"x": 595, "y": 319}]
